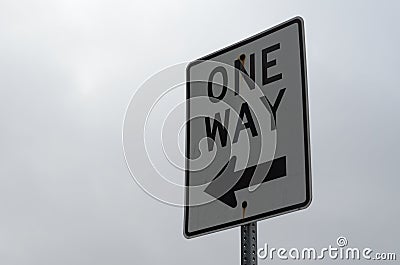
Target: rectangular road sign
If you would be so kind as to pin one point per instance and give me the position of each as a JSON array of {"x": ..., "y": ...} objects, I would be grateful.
[{"x": 247, "y": 133}]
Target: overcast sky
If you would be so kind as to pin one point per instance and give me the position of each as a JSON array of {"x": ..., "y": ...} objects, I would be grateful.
[{"x": 67, "y": 72}]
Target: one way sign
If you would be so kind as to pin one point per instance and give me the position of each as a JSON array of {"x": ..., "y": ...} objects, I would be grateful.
[{"x": 247, "y": 133}]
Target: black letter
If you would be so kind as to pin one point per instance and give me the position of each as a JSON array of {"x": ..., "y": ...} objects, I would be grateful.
[
  {"x": 223, "y": 132},
  {"x": 249, "y": 124},
  {"x": 266, "y": 64},
  {"x": 239, "y": 65},
  {"x": 273, "y": 108},
  {"x": 222, "y": 70}
]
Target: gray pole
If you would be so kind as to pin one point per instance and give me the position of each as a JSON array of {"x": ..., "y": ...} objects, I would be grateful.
[{"x": 249, "y": 244}]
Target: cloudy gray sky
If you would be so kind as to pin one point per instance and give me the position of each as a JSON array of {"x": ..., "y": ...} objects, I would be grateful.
[{"x": 68, "y": 70}]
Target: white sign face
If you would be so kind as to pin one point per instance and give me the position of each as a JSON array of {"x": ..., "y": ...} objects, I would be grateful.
[{"x": 247, "y": 135}]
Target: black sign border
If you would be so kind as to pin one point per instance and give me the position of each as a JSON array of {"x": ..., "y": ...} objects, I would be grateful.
[{"x": 300, "y": 23}]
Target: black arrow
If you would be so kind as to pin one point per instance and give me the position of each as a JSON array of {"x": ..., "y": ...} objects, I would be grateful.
[{"x": 272, "y": 169}]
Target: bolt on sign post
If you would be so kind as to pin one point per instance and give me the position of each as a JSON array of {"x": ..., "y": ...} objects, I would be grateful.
[{"x": 247, "y": 133}]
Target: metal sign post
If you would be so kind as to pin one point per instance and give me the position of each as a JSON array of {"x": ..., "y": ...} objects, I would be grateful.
[{"x": 249, "y": 244}]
